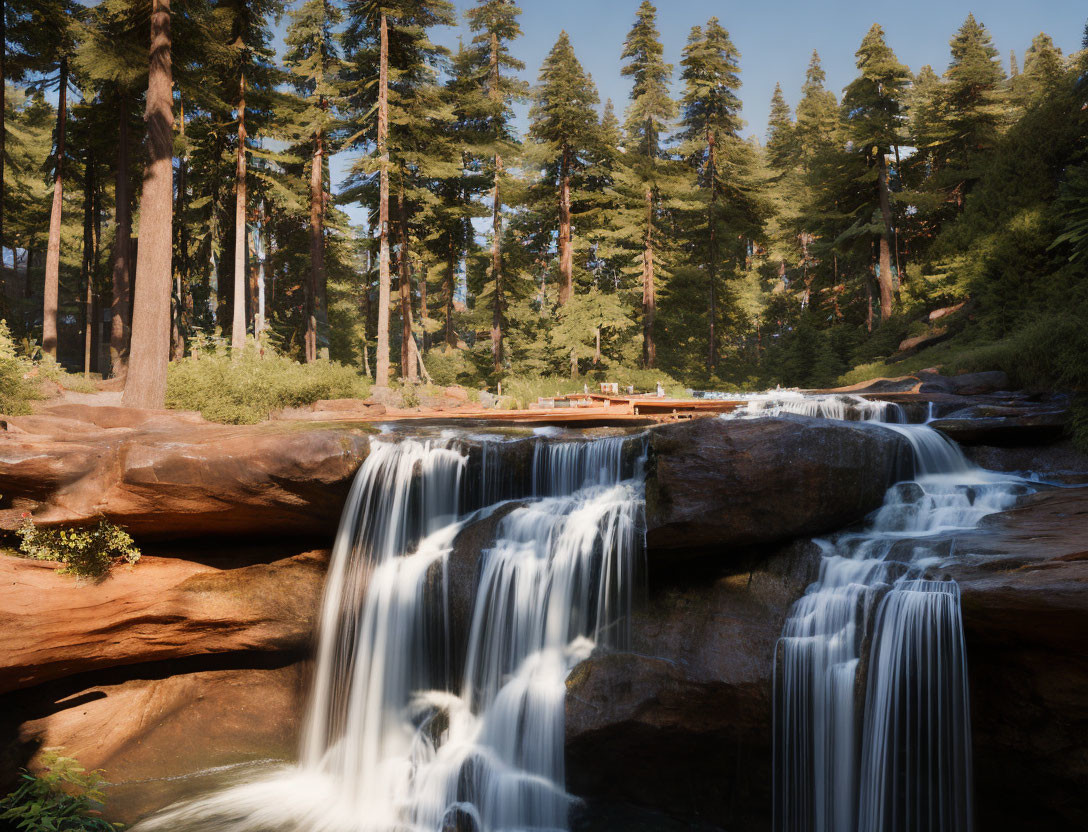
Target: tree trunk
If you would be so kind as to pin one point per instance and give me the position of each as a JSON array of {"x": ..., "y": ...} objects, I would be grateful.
[
  {"x": 573, "y": 364},
  {"x": 238, "y": 328},
  {"x": 181, "y": 267},
  {"x": 88, "y": 260},
  {"x": 423, "y": 313},
  {"x": 451, "y": 284},
  {"x": 649, "y": 300},
  {"x": 381, "y": 370},
  {"x": 712, "y": 264},
  {"x": 3, "y": 124},
  {"x": 887, "y": 287},
  {"x": 317, "y": 246},
  {"x": 496, "y": 271},
  {"x": 566, "y": 251},
  {"x": 122, "y": 248},
  {"x": 52, "y": 252},
  {"x": 407, "y": 364},
  {"x": 145, "y": 385}
]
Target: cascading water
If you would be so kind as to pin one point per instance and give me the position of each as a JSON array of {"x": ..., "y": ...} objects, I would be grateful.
[
  {"x": 392, "y": 740},
  {"x": 878, "y": 739}
]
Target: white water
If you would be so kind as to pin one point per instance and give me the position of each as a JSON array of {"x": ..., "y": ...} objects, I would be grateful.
[
  {"x": 840, "y": 406},
  {"x": 391, "y": 741},
  {"x": 884, "y": 748}
]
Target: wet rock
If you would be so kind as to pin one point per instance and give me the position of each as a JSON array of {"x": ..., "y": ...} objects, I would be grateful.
[
  {"x": 968, "y": 384},
  {"x": 159, "y": 609},
  {"x": 719, "y": 485},
  {"x": 1057, "y": 462},
  {"x": 170, "y": 478},
  {"x": 460, "y": 819},
  {"x": 1023, "y": 577},
  {"x": 989, "y": 424},
  {"x": 681, "y": 724}
]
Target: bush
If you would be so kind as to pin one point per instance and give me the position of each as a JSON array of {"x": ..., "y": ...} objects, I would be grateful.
[
  {"x": 448, "y": 367},
  {"x": 64, "y": 797},
  {"x": 16, "y": 390},
  {"x": 244, "y": 388},
  {"x": 87, "y": 552}
]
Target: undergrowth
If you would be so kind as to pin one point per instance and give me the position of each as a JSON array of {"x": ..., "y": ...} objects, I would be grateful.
[
  {"x": 85, "y": 551},
  {"x": 62, "y": 797}
]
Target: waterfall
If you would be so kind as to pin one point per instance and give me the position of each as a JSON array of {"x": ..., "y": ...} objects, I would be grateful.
[
  {"x": 399, "y": 735},
  {"x": 871, "y": 713},
  {"x": 836, "y": 406}
]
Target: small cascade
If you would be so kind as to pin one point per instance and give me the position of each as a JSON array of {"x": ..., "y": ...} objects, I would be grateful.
[
  {"x": 839, "y": 406},
  {"x": 395, "y": 739},
  {"x": 872, "y": 723}
]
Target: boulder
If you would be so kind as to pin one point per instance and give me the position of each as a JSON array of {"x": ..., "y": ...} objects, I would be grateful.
[
  {"x": 681, "y": 723},
  {"x": 163, "y": 733},
  {"x": 159, "y": 609},
  {"x": 1060, "y": 461},
  {"x": 968, "y": 384},
  {"x": 716, "y": 485},
  {"x": 1000, "y": 424},
  {"x": 179, "y": 479},
  {"x": 1025, "y": 605},
  {"x": 926, "y": 339}
]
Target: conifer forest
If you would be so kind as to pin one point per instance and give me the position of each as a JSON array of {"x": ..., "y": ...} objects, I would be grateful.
[{"x": 167, "y": 190}]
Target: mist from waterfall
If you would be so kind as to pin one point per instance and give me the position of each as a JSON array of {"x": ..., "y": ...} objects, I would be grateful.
[
  {"x": 411, "y": 724},
  {"x": 871, "y": 711}
]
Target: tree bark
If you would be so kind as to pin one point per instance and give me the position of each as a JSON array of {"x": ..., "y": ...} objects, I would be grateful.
[
  {"x": 381, "y": 370},
  {"x": 887, "y": 286},
  {"x": 3, "y": 124},
  {"x": 451, "y": 283},
  {"x": 407, "y": 364},
  {"x": 649, "y": 299},
  {"x": 712, "y": 264},
  {"x": 122, "y": 248},
  {"x": 496, "y": 271},
  {"x": 238, "y": 329},
  {"x": 52, "y": 252},
  {"x": 423, "y": 313},
  {"x": 145, "y": 385},
  {"x": 88, "y": 259},
  {"x": 566, "y": 251},
  {"x": 181, "y": 267},
  {"x": 317, "y": 245}
]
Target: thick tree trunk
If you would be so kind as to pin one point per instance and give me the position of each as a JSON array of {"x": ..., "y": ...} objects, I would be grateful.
[
  {"x": 145, "y": 385},
  {"x": 451, "y": 284},
  {"x": 181, "y": 304},
  {"x": 712, "y": 264},
  {"x": 52, "y": 252},
  {"x": 887, "y": 286},
  {"x": 496, "y": 271},
  {"x": 566, "y": 250},
  {"x": 423, "y": 312},
  {"x": 122, "y": 248},
  {"x": 87, "y": 269},
  {"x": 238, "y": 328},
  {"x": 407, "y": 364},
  {"x": 649, "y": 299},
  {"x": 317, "y": 246},
  {"x": 381, "y": 370},
  {"x": 3, "y": 124}
]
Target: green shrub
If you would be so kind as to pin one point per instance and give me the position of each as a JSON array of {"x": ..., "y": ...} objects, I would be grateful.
[
  {"x": 86, "y": 551},
  {"x": 64, "y": 797},
  {"x": 16, "y": 391},
  {"x": 448, "y": 367},
  {"x": 244, "y": 388},
  {"x": 49, "y": 369}
]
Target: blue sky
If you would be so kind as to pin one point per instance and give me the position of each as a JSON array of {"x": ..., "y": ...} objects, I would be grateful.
[{"x": 776, "y": 37}]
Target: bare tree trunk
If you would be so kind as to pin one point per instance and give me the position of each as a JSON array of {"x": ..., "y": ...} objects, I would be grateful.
[
  {"x": 145, "y": 385},
  {"x": 381, "y": 371},
  {"x": 3, "y": 124},
  {"x": 88, "y": 259},
  {"x": 451, "y": 281},
  {"x": 649, "y": 300},
  {"x": 52, "y": 252},
  {"x": 566, "y": 250},
  {"x": 122, "y": 248},
  {"x": 496, "y": 271},
  {"x": 317, "y": 245},
  {"x": 712, "y": 265},
  {"x": 407, "y": 365},
  {"x": 887, "y": 287},
  {"x": 423, "y": 313},
  {"x": 181, "y": 267},
  {"x": 238, "y": 328}
]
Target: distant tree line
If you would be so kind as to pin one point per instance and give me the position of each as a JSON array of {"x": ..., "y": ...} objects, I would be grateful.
[{"x": 166, "y": 172}]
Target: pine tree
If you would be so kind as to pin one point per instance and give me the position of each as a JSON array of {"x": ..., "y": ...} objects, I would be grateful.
[
  {"x": 564, "y": 126},
  {"x": 495, "y": 24},
  {"x": 648, "y": 116},
  {"x": 1043, "y": 73},
  {"x": 781, "y": 139},
  {"x": 817, "y": 113},
  {"x": 314, "y": 60},
  {"x": 873, "y": 107},
  {"x": 145, "y": 383}
]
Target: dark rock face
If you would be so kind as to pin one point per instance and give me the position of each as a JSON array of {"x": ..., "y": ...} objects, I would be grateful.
[
  {"x": 169, "y": 477},
  {"x": 1058, "y": 462},
  {"x": 969, "y": 384},
  {"x": 715, "y": 485},
  {"x": 1025, "y": 606},
  {"x": 682, "y": 723}
]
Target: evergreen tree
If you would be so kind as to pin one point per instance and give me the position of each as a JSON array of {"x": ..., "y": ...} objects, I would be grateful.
[
  {"x": 564, "y": 126},
  {"x": 648, "y": 116},
  {"x": 873, "y": 107},
  {"x": 314, "y": 60},
  {"x": 781, "y": 140}
]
